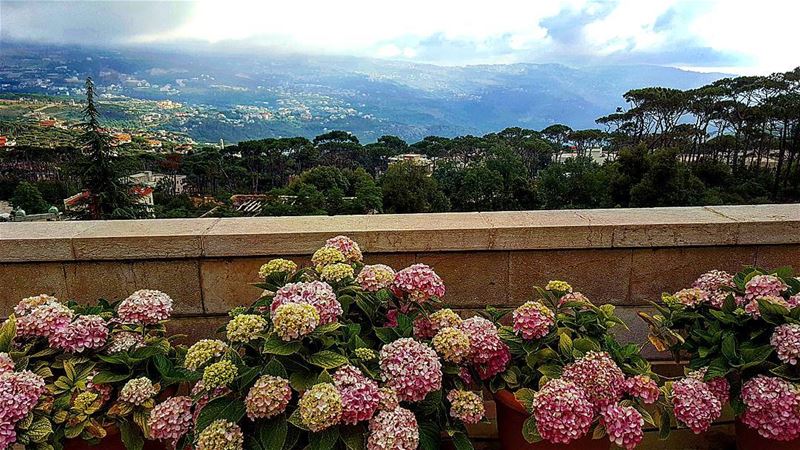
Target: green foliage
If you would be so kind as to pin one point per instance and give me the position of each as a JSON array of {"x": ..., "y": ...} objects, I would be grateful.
[
  {"x": 407, "y": 188},
  {"x": 28, "y": 198}
]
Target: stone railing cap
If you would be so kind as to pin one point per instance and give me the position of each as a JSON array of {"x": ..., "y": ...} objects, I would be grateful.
[{"x": 512, "y": 230}]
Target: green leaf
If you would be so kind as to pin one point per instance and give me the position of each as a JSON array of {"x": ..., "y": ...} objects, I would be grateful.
[
  {"x": 551, "y": 371},
  {"x": 7, "y": 333},
  {"x": 275, "y": 368},
  {"x": 430, "y": 436},
  {"x": 729, "y": 348},
  {"x": 327, "y": 359},
  {"x": 106, "y": 377},
  {"x": 272, "y": 433},
  {"x": 386, "y": 334},
  {"x": 461, "y": 441},
  {"x": 297, "y": 421},
  {"x": 324, "y": 440},
  {"x": 565, "y": 344},
  {"x": 131, "y": 436},
  {"x": 525, "y": 397},
  {"x": 354, "y": 437},
  {"x": 529, "y": 431},
  {"x": 276, "y": 346},
  {"x": 39, "y": 430},
  {"x": 327, "y": 328},
  {"x": 226, "y": 408},
  {"x": 586, "y": 344},
  {"x": 301, "y": 381}
]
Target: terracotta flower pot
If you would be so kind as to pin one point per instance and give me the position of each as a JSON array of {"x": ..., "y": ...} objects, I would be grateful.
[
  {"x": 749, "y": 439},
  {"x": 510, "y": 417}
]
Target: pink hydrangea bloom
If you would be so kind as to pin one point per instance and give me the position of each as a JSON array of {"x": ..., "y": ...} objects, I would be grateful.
[
  {"x": 84, "y": 333},
  {"x": 533, "y": 320},
  {"x": 419, "y": 282},
  {"x": 26, "y": 305},
  {"x": 360, "y": 396},
  {"x": 786, "y": 340},
  {"x": 599, "y": 376},
  {"x": 103, "y": 390},
  {"x": 7, "y": 434},
  {"x": 712, "y": 284},
  {"x": 124, "y": 341},
  {"x": 562, "y": 411},
  {"x": 411, "y": 368},
  {"x": 772, "y": 407},
  {"x": 488, "y": 353},
  {"x": 763, "y": 286},
  {"x": 19, "y": 393},
  {"x": 573, "y": 297},
  {"x": 145, "y": 307},
  {"x": 170, "y": 420},
  {"x": 623, "y": 425},
  {"x": 373, "y": 278},
  {"x": 318, "y": 294},
  {"x": 268, "y": 397},
  {"x": 43, "y": 320},
  {"x": 642, "y": 387},
  {"x": 393, "y": 430},
  {"x": 348, "y": 247},
  {"x": 387, "y": 399},
  {"x": 690, "y": 297},
  {"x": 6, "y": 363},
  {"x": 423, "y": 328},
  {"x": 694, "y": 404}
]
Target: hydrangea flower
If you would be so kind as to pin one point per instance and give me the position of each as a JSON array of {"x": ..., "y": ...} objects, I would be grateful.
[
  {"x": 411, "y": 368},
  {"x": 533, "y": 320},
  {"x": 763, "y": 286},
  {"x": 562, "y": 411},
  {"x": 444, "y": 318},
  {"x": 365, "y": 354},
  {"x": 375, "y": 277},
  {"x": 643, "y": 388},
  {"x": 26, "y": 305},
  {"x": 360, "y": 395},
  {"x": 219, "y": 374},
  {"x": 599, "y": 376},
  {"x": 6, "y": 363},
  {"x": 558, "y": 286},
  {"x": 170, "y": 420},
  {"x": 488, "y": 353},
  {"x": 718, "y": 386},
  {"x": 204, "y": 351},
  {"x": 327, "y": 255},
  {"x": 278, "y": 265},
  {"x": 713, "y": 284},
  {"x": 573, "y": 297},
  {"x": 690, "y": 297},
  {"x": 145, "y": 307},
  {"x": 102, "y": 390},
  {"x": 348, "y": 247},
  {"x": 318, "y": 294},
  {"x": 394, "y": 429},
  {"x": 337, "y": 272},
  {"x": 623, "y": 425},
  {"x": 320, "y": 407},
  {"x": 203, "y": 396},
  {"x": 42, "y": 320},
  {"x": 466, "y": 406},
  {"x": 245, "y": 327},
  {"x": 268, "y": 397},
  {"x": 694, "y": 404},
  {"x": 295, "y": 320},
  {"x": 8, "y": 434},
  {"x": 419, "y": 282},
  {"x": 137, "y": 391},
  {"x": 19, "y": 394},
  {"x": 786, "y": 340},
  {"x": 452, "y": 344},
  {"x": 422, "y": 328},
  {"x": 772, "y": 407},
  {"x": 124, "y": 341},
  {"x": 221, "y": 435},
  {"x": 387, "y": 399},
  {"x": 85, "y": 333}
]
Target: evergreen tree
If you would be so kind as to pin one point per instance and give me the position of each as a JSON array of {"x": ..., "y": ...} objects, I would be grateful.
[
  {"x": 101, "y": 172},
  {"x": 29, "y": 199}
]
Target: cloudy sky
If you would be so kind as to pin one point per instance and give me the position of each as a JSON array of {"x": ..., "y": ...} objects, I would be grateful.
[{"x": 738, "y": 36}]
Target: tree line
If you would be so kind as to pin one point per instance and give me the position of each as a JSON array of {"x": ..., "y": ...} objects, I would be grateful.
[{"x": 734, "y": 141}]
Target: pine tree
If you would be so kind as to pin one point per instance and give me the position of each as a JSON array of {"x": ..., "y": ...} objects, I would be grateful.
[{"x": 109, "y": 195}]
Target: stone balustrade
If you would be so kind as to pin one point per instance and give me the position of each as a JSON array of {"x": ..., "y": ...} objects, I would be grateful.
[{"x": 626, "y": 257}]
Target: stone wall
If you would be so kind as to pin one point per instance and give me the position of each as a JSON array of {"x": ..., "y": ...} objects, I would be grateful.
[{"x": 622, "y": 256}]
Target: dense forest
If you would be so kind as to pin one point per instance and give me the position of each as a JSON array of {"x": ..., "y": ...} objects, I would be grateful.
[{"x": 734, "y": 141}]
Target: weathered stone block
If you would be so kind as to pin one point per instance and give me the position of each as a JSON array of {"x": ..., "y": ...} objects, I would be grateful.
[
  {"x": 473, "y": 279},
  {"x": 20, "y": 280}
]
